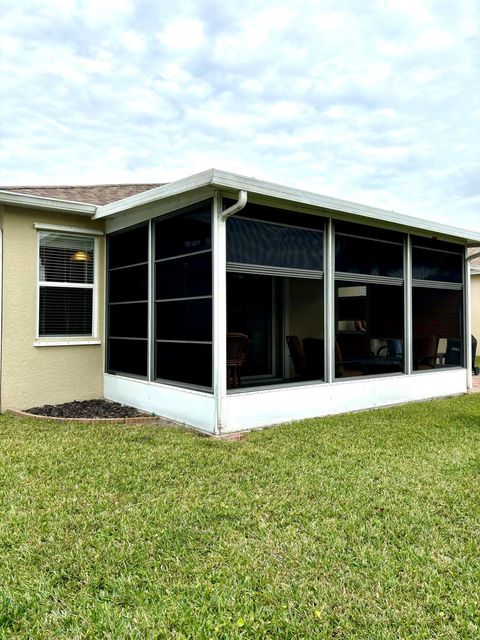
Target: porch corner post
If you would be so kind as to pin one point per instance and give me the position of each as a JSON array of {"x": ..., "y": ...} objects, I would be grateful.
[
  {"x": 467, "y": 306},
  {"x": 408, "y": 317},
  {"x": 219, "y": 312}
]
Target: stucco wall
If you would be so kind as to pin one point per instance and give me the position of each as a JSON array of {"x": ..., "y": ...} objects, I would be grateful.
[
  {"x": 32, "y": 376},
  {"x": 475, "y": 292}
]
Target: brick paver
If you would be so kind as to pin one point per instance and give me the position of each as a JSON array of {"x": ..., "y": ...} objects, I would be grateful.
[{"x": 475, "y": 384}]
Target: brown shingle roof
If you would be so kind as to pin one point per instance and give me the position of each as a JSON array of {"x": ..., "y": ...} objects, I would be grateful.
[{"x": 90, "y": 194}]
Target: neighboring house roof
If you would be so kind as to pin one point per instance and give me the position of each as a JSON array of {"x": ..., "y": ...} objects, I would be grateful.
[{"x": 100, "y": 194}]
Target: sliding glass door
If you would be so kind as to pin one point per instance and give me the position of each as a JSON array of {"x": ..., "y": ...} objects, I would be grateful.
[{"x": 275, "y": 295}]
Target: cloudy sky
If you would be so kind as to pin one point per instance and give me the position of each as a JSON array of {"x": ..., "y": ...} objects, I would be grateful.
[{"x": 376, "y": 102}]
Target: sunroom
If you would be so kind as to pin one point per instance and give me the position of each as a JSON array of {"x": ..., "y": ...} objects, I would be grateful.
[{"x": 231, "y": 306}]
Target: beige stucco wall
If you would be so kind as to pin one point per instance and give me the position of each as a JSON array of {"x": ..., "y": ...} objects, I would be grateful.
[
  {"x": 475, "y": 294},
  {"x": 32, "y": 376}
]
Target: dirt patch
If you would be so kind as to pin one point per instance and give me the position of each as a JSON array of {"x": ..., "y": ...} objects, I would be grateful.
[{"x": 87, "y": 409}]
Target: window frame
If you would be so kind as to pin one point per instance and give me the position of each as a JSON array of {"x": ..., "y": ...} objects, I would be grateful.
[{"x": 62, "y": 339}]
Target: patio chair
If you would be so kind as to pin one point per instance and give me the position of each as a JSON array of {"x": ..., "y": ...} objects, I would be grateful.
[
  {"x": 424, "y": 352},
  {"x": 237, "y": 344},
  {"x": 347, "y": 368},
  {"x": 297, "y": 354}
]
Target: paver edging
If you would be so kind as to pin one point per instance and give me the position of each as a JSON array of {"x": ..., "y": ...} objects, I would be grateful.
[{"x": 133, "y": 420}]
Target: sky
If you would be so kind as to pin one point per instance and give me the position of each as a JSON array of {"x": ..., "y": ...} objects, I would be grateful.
[{"x": 376, "y": 102}]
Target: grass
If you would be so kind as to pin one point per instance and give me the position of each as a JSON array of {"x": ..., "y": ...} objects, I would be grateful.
[{"x": 357, "y": 526}]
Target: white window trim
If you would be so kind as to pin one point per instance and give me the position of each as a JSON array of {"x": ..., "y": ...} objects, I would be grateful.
[
  {"x": 65, "y": 343},
  {"x": 69, "y": 340},
  {"x": 68, "y": 230}
]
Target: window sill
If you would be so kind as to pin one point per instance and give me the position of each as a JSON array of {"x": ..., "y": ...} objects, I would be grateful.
[{"x": 65, "y": 343}]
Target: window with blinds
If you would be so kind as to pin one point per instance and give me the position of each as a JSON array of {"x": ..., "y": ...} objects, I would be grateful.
[{"x": 66, "y": 283}]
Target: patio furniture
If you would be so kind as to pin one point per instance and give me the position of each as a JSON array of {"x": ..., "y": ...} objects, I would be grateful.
[
  {"x": 237, "y": 344},
  {"x": 347, "y": 368},
  {"x": 297, "y": 353},
  {"x": 424, "y": 352}
]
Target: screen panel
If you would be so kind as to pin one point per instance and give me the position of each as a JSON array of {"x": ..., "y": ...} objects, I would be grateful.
[
  {"x": 368, "y": 257},
  {"x": 262, "y": 243},
  {"x": 127, "y": 298},
  {"x": 439, "y": 266},
  {"x": 184, "y": 234},
  {"x": 184, "y": 320},
  {"x": 128, "y": 357},
  {"x": 184, "y": 362},
  {"x": 184, "y": 277},
  {"x": 183, "y": 296}
]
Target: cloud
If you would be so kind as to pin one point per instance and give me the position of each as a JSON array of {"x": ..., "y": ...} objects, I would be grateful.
[{"x": 374, "y": 103}]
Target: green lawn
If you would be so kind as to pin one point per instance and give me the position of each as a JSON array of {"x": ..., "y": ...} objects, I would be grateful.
[{"x": 358, "y": 526}]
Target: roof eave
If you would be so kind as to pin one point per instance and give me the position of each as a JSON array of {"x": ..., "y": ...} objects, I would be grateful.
[
  {"x": 49, "y": 204},
  {"x": 168, "y": 190},
  {"x": 218, "y": 179}
]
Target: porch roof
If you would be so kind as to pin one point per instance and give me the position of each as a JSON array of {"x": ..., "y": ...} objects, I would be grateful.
[
  {"x": 103, "y": 201},
  {"x": 278, "y": 195}
]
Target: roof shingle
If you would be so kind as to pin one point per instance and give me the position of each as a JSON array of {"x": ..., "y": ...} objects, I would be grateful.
[{"x": 91, "y": 194}]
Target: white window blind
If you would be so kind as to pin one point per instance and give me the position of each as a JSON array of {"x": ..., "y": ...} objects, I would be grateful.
[{"x": 66, "y": 284}]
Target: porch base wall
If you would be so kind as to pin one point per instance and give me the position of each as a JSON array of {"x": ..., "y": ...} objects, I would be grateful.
[
  {"x": 187, "y": 406},
  {"x": 264, "y": 407}
]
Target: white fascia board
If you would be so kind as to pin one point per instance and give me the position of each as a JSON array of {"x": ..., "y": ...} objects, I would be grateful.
[
  {"x": 50, "y": 204},
  {"x": 227, "y": 180},
  {"x": 218, "y": 179},
  {"x": 196, "y": 181}
]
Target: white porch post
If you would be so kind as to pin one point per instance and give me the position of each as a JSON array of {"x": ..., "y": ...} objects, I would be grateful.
[
  {"x": 219, "y": 311},
  {"x": 408, "y": 324},
  {"x": 329, "y": 306},
  {"x": 468, "y": 321}
]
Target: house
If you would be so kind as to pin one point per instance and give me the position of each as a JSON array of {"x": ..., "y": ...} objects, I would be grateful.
[{"x": 228, "y": 303}]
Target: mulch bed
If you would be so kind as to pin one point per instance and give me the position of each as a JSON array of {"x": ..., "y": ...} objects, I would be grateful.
[{"x": 87, "y": 409}]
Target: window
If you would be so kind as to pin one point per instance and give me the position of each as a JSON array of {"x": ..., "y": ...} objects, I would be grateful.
[{"x": 66, "y": 268}]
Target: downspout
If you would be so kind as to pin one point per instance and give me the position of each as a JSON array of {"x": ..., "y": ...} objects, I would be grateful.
[
  {"x": 220, "y": 304},
  {"x": 235, "y": 208}
]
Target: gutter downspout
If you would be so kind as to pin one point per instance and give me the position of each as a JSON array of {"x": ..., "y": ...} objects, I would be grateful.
[
  {"x": 220, "y": 304},
  {"x": 235, "y": 208}
]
